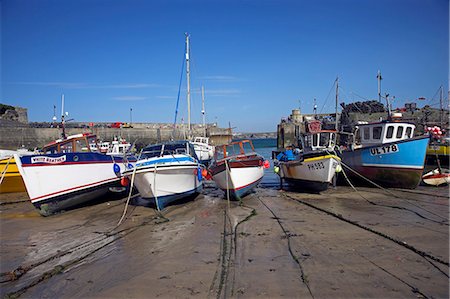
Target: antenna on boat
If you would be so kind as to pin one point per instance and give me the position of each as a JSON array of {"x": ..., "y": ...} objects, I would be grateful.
[
  {"x": 336, "y": 107},
  {"x": 379, "y": 78},
  {"x": 63, "y": 133},
  {"x": 315, "y": 107},
  {"x": 203, "y": 111},
  {"x": 188, "y": 79}
]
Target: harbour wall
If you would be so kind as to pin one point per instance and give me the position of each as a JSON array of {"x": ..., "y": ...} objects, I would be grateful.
[{"x": 13, "y": 137}]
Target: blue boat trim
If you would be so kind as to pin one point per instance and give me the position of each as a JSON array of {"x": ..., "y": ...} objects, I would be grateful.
[{"x": 165, "y": 160}]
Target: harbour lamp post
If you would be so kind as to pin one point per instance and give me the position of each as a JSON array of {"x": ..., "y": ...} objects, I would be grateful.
[{"x": 131, "y": 117}]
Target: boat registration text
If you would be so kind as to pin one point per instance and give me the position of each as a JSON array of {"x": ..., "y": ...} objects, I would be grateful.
[
  {"x": 381, "y": 150},
  {"x": 316, "y": 166}
]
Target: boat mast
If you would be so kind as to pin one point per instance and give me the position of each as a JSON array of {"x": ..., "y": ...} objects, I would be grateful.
[
  {"x": 441, "y": 113},
  {"x": 336, "y": 103},
  {"x": 63, "y": 134},
  {"x": 203, "y": 111},
  {"x": 379, "y": 78},
  {"x": 188, "y": 79}
]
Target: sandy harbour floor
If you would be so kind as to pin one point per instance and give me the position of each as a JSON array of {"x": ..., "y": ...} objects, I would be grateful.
[{"x": 277, "y": 243}]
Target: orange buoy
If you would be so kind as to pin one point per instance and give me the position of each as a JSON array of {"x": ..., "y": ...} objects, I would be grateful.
[{"x": 124, "y": 181}]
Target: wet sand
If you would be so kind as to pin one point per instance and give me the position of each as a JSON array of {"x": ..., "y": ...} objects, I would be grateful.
[{"x": 277, "y": 243}]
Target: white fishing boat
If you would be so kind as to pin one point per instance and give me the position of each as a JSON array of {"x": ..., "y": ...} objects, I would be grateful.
[
  {"x": 203, "y": 149},
  {"x": 64, "y": 176},
  {"x": 311, "y": 166},
  {"x": 237, "y": 168},
  {"x": 68, "y": 173},
  {"x": 118, "y": 146},
  {"x": 167, "y": 172}
]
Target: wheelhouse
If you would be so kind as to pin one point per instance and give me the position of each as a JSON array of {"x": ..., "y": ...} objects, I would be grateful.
[
  {"x": 234, "y": 149},
  {"x": 379, "y": 133},
  {"x": 74, "y": 143},
  {"x": 320, "y": 140}
]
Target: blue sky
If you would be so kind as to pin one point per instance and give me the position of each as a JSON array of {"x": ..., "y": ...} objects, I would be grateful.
[{"x": 256, "y": 59}]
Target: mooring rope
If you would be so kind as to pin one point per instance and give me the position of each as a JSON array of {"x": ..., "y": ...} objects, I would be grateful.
[{"x": 5, "y": 170}]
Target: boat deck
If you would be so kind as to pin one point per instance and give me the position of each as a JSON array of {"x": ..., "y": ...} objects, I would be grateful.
[{"x": 338, "y": 244}]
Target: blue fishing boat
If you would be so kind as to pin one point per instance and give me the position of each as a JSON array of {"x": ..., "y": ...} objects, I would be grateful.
[{"x": 387, "y": 154}]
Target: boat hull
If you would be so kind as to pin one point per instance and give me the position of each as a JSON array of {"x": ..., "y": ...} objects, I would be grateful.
[
  {"x": 12, "y": 180},
  {"x": 393, "y": 165},
  {"x": 57, "y": 182},
  {"x": 436, "y": 178},
  {"x": 242, "y": 177},
  {"x": 312, "y": 174},
  {"x": 162, "y": 183}
]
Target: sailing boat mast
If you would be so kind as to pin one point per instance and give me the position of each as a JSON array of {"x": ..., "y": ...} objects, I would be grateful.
[
  {"x": 441, "y": 112},
  {"x": 203, "y": 111},
  {"x": 188, "y": 79},
  {"x": 336, "y": 104}
]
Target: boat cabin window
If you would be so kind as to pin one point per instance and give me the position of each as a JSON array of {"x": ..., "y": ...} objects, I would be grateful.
[
  {"x": 66, "y": 147},
  {"x": 399, "y": 132},
  {"x": 376, "y": 132},
  {"x": 319, "y": 140},
  {"x": 366, "y": 133},
  {"x": 386, "y": 132},
  {"x": 390, "y": 132},
  {"x": 51, "y": 150},
  {"x": 78, "y": 146},
  {"x": 408, "y": 133}
]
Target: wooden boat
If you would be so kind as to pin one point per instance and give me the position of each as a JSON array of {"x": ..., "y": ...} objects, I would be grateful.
[
  {"x": 311, "y": 166},
  {"x": 237, "y": 168},
  {"x": 65, "y": 175},
  {"x": 436, "y": 177},
  {"x": 386, "y": 153},
  {"x": 167, "y": 172}
]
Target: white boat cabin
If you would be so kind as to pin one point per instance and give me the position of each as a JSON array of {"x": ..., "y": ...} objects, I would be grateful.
[
  {"x": 383, "y": 132},
  {"x": 204, "y": 140},
  {"x": 321, "y": 140},
  {"x": 118, "y": 147}
]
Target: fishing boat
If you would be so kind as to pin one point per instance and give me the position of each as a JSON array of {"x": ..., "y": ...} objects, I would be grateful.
[
  {"x": 203, "y": 149},
  {"x": 237, "y": 168},
  {"x": 64, "y": 176},
  {"x": 312, "y": 165},
  {"x": 68, "y": 172},
  {"x": 167, "y": 172},
  {"x": 386, "y": 153},
  {"x": 118, "y": 146}
]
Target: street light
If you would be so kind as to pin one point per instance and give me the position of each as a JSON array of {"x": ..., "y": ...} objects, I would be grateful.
[{"x": 131, "y": 118}]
